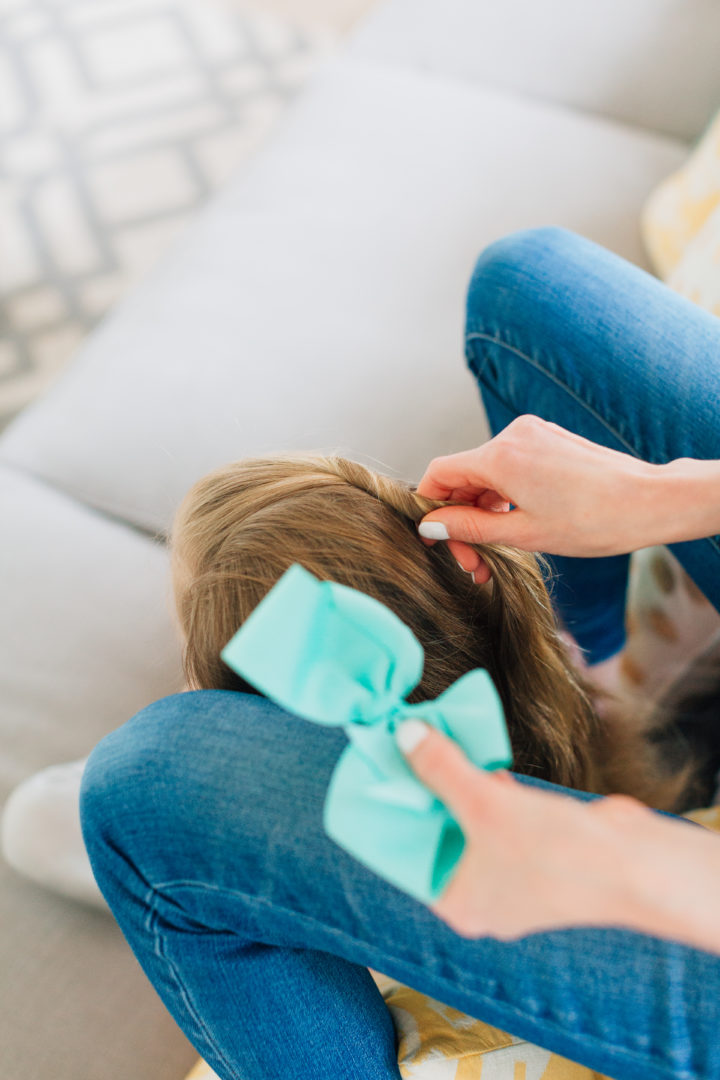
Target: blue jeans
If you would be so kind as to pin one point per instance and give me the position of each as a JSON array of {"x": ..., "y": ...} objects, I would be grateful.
[{"x": 202, "y": 814}]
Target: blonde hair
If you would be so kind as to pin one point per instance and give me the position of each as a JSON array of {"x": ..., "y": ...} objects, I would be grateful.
[{"x": 240, "y": 527}]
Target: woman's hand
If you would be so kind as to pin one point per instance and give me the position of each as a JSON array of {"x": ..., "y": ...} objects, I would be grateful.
[
  {"x": 536, "y": 860},
  {"x": 571, "y": 496}
]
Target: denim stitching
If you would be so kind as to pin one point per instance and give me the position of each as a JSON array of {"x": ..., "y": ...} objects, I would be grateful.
[
  {"x": 641, "y": 1059},
  {"x": 151, "y": 898},
  {"x": 555, "y": 379},
  {"x": 563, "y": 386}
]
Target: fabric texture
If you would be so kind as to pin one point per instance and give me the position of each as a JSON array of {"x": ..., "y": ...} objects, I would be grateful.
[
  {"x": 681, "y": 224},
  {"x": 650, "y": 64},
  {"x": 118, "y": 122}
]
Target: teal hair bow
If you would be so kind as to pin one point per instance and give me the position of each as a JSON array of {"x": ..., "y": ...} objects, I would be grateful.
[{"x": 334, "y": 655}]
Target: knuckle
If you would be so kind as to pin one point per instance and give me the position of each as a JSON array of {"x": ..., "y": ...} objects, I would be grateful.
[
  {"x": 527, "y": 431},
  {"x": 443, "y": 463},
  {"x": 436, "y": 465},
  {"x": 507, "y": 450},
  {"x": 473, "y": 529},
  {"x": 526, "y": 424}
]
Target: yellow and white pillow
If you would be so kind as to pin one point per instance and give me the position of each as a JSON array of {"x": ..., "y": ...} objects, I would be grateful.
[
  {"x": 681, "y": 224},
  {"x": 681, "y": 230}
]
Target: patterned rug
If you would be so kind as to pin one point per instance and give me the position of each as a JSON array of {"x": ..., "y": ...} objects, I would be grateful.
[{"x": 118, "y": 118}]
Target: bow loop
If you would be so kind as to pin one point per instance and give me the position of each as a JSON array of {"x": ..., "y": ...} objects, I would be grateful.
[
  {"x": 325, "y": 651},
  {"x": 333, "y": 655}
]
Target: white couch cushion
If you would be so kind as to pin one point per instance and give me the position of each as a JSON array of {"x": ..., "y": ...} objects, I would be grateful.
[
  {"x": 86, "y": 626},
  {"x": 653, "y": 63},
  {"x": 86, "y": 640},
  {"x": 319, "y": 302}
]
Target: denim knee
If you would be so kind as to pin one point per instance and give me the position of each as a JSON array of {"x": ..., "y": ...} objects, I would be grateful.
[
  {"x": 511, "y": 299},
  {"x": 145, "y": 784},
  {"x": 547, "y": 323},
  {"x": 507, "y": 271},
  {"x": 196, "y": 775},
  {"x": 121, "y": 786}
]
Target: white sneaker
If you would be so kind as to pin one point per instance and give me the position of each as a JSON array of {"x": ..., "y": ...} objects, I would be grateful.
[{"x": 41, "y": 836}]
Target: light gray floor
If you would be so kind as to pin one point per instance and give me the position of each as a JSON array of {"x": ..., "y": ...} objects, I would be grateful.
[{"x": 65, "y": 996}]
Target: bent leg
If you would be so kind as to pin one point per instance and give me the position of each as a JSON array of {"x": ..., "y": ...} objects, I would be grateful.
[
  {"x": 203, "y": 821},
  {"x": 562, "y": 328}
]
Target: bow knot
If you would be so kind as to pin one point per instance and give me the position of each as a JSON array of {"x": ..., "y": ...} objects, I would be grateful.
[{"x": 335, "y": 656}]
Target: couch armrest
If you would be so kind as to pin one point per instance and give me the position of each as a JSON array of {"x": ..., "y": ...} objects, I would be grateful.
[{"x": 651, "y": 63}]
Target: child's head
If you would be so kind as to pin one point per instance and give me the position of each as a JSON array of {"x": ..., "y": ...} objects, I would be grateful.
[{"x": 239, "y": 528}]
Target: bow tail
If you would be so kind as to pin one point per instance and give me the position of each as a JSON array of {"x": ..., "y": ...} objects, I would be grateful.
[{"x": 412, "y": 842}]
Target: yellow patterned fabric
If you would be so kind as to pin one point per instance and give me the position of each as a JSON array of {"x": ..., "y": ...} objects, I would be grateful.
[
  {"x": 669, "y": 620},
  {"x": 681, "y": 224},
  {"x": 437, "y": 1041},
  {"x": 709, "y": 817}
]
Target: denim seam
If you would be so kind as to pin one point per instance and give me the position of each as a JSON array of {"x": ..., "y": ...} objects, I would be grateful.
[
  {"x": 151, "y": 898},
  {"x": 475, "y": 334},
  {"x": 631, "y": 1055}
]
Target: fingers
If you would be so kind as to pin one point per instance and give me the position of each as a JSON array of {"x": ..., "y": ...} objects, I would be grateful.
[
  {"x": 476, "y": 526},
  {"x": 492, "y": 500},
  {"x": 454, "y": 476},
  {"x": 461, "y": 477},
  {"x": 443, "y": 767},
  {"x": 468, "y": 560}
]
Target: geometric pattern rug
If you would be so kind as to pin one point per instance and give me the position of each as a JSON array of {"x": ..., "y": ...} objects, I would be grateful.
[{"x": 118, "y": 119}]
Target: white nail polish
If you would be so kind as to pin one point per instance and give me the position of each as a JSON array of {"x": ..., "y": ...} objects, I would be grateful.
[
  {"x": 433, "y": 530},
  {"x": 410, "y": 733}
]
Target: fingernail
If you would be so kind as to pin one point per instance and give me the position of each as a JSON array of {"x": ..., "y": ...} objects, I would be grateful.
[
  {"x": 410, "y": 734},
  {"x": 470, "y": 572},
  {"x": 433, "y": 530}
]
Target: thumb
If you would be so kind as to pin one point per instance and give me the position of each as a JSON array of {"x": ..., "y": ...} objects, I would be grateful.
[
  {"x": 441, "y": 766},
  {"x": 474, "y": 526}
]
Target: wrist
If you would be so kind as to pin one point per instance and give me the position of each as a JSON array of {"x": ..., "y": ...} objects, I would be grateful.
[
  {"x": 667, "y": 878},
  {"x": 686, "y": 497}
]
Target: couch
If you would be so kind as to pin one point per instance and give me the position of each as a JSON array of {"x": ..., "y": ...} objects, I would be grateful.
[{"x": 316, "y": 303}]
